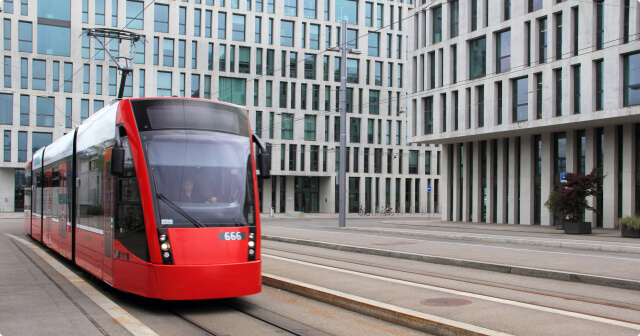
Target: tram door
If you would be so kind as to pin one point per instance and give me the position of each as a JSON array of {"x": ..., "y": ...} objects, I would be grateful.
[
  {"x": 107, "y": 264},
  {"x": 47, "y": 212}
]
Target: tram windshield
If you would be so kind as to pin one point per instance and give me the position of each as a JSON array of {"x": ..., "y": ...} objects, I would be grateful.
[{"x": 201, "y": 178}]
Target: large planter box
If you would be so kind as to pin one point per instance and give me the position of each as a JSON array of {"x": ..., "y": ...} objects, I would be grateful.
[
  {"x": 631, "y": 233},
  {"x": 571, "y": 227}
]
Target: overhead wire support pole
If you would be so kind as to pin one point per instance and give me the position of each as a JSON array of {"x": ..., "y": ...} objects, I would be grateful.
[
  {"x": 342, "y": 175},
  {"x": 117, "y": 34}
]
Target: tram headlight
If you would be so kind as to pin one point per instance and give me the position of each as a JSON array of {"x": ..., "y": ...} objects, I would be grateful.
[
  {"x": 163, "y": 238},
  {"x": 252, "y": 243},
  {"x": 251, "y": 252},
  {"x": 166, "y": 255},
  {"x": 252, "y": 235},
  {"x": 165, "y": 247}
]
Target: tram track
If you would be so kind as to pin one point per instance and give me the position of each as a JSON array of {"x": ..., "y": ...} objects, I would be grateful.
[
  {"x": 246, "y": 309},
  {"x": 486, "y": 284}
]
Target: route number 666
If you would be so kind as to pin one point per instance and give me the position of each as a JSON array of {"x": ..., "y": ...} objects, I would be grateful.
[{"x": 232, "y": 236}]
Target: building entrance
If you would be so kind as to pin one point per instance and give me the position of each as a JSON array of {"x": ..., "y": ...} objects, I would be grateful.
[{"x": 307, "y": 194}]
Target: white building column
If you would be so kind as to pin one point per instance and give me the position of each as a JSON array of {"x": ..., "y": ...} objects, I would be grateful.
[
  {"x": 457, "y": 207},
  {"x": 466, "y": 188},
  {"x": 546, "y": 177},
  {"x": 526, "y": 180},
  {"x": 628, "y": 170}
]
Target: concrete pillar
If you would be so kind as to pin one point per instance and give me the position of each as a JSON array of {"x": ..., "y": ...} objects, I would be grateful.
[
  {"x": 290, "y": 193},
  {"x": 466, "y": 189},
  {"x": 447, "y": 185},
  {"x": 266, "y": 196},
  {"x": 526, "y": 184},
  {"x": 456, "y": 183}
]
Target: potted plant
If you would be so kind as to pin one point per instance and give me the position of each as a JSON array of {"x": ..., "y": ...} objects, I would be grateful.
[
  {"x": 570, "y": 201},
  {"x": 558, "y": 217},
  {"x": 630, "y": 226}
]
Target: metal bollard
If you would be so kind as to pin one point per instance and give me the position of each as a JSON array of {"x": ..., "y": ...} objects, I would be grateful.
[{"x": 271, "y": 212}]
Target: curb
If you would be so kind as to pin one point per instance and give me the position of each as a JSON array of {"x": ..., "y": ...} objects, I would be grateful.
[
  {"x": 500, "y": 268},
  {"x": 513, "y": 241},
  {"x": 408, "y": 318}
]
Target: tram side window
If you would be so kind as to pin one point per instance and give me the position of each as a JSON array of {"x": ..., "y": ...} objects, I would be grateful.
[
  {"x": 37, "y": 202},
  {"x": 91, "y": 190},
  {"x": 129, "y": 221},
  {"x": 27, "y": 190}
]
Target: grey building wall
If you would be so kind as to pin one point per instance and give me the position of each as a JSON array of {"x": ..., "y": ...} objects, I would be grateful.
[{"x": 569, "y": 106}]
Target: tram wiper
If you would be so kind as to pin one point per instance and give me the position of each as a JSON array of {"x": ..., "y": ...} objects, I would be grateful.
[{"x": 179, "y": 210}]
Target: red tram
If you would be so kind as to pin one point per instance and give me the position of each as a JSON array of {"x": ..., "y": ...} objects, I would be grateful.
[{"x": 154, "y": 196}]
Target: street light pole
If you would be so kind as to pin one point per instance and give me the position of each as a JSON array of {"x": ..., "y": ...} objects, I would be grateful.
[{"x": 342, "y": 175}]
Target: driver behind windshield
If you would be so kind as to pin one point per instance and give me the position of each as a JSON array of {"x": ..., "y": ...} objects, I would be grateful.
[{"x": 190, "y": 195}]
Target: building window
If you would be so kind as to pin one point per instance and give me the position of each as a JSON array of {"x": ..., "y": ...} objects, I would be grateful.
[
  {"x": 413, "y": 161},
  {"x": 39, "y": 140},
  {"x": 232, "y": 90},
  {"x": 374, "y": 102},
  {"x": 474, "y": 15},
  {"x": 7, "y": 71},
  {"x": 167, "y": 52},
  {"x": 631, "y": 79},
  {"x": 39, "y": 75},
  {"x": 428, "y": 115},
  {"x": 354, "y": 130},
  {"x": 480, "y": 95},
  {"x": 7, "y": 34},
  {"x": 368, "y": 14},
  {"x": 374, "y": 44},
  {"x": 557, "y": 73},
  {"x": 6, "y": 108},
  {"x": 161, "y": 18},
  {"x": 44, "y": 111},
  {"x": 542, "y": 36},
  {"x": 346, "y": 10},
  {"x": 222, "y": 26},
  {"x": 197, "y": 22},
  {"x": 135, "y": 14},
  {"x": 520, "y": 99},
  {"x": 310, "y": 7},
  {"x": 576, "y": 89},
  {"x": 291, "y": 7},
  {"x": 22, "y": 146},
  {"x": 310, "y": 127},
  {"x": 238, "y": 27},
  {"x": 535, "y": 5},
  {"x": 25, "y": 37},
  {"x": 503, "y": 51},
  {"x": 7, "y": 146},
  {"x": 286, "y": 33},
  {"x": 292, "y": 157},
  {"x": 182, "y": 21},
  {"x": 599, "y": 25},
  {"x": 287, "y": 126},
  {"x": 478, "y": 58},
  {"x": 309, "y": 66},
  {"x": 437, "y": 25},
  {"x": 454, "y": 18},
  {"x": 599, "y": 64},
  {"x": 164, "y": 84},
  {"x": 558, "y": 19},
  {"x": 539, "y": 95},
  {"x": 507, "y": 10}
]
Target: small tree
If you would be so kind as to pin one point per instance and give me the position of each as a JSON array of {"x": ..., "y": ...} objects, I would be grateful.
[{"x": 570, "y": 201}]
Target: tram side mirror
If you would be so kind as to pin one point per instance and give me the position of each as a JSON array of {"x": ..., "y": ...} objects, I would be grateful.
[
  {"x": 264, "y": 164},
  {"x": 264, "y": 158},
  {"x": 117, "y": 161}
]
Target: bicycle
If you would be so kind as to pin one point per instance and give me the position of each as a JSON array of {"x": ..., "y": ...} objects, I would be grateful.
[
  {"x": 364, "y": 211},
  {"x": 387, "y": 211}
]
